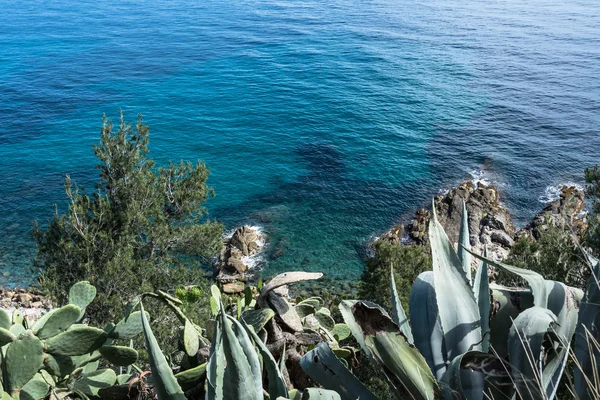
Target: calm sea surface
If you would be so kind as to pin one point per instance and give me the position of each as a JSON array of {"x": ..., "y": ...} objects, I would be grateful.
[{"x": 324, "y": 122}]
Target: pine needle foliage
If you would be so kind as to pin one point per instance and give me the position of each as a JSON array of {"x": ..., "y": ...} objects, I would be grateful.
[{"x": 143, "y": 228}]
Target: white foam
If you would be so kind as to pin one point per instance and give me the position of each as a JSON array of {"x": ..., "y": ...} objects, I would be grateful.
[
  {"x": 480, "y": 177},
  {"x": 256, "y": 260},
  {"x": 552, "y": 192}
]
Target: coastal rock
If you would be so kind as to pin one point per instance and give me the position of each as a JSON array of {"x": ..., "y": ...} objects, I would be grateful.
[
  {"x": 30, "y": 303},
  {"x": 489, "y": 222},
  {"x": 564, "y": 212},
  {"x": 245, "y": 242}
]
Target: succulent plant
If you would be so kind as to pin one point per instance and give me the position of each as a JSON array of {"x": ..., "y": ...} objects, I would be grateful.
[{"x": 59, "y": 355}]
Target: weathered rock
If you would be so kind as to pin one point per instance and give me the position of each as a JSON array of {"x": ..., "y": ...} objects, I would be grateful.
[
  {"x": 564, "y": 212},
  {"x": 393, "y": 235},
  {"x": 232, "y": 270},
  {"x": 233, "y": 287},
  {"x": 489, "y": 222}
]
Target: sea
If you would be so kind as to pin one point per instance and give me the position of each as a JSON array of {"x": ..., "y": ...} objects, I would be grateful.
[{"x": 324, "y": 122}]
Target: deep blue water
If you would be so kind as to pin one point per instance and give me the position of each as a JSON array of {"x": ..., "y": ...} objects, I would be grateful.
[{"x": 325, "y": 122}]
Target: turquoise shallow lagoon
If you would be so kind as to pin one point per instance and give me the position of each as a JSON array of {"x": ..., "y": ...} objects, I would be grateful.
[{"x": 324, "y": 122}]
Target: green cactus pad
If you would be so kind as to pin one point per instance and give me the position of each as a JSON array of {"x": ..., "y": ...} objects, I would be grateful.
[
  {"x": 128, "y": 328},
  {"x": 4, "y": 319},
  {"x": 58, "y": 365},
  {"x": 119, "y": 355},
  {"x": 82, "y": 294},
  {"x": 90, "y": 384},
  {"x": 76, "y": 341},
  {"x": 191, "y": 343},
  {"x": 35, "y": 389},
  {"x": 257, "y": 319},
  {"x": 25, "y": 356},
  {"x": 17, "y": 317},
  {"x": 17, "y": 329},
  {"x": 6, "y": 337},
  {"x": 191, "y": 376},
  {"x": 341, "y": 332},
  {"x": 58, "y": 321}
]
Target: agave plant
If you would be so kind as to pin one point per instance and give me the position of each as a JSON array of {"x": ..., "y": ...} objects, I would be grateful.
[
  {"x": 447, "y": 347},
  {"x": 57, "y": 356}
]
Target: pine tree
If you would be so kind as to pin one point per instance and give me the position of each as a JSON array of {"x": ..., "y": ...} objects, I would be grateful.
[{"x": 144, "y": 228}]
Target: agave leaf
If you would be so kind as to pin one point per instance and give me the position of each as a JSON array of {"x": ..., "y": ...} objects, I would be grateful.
[
  {"x": 215, "y": 370},
  {"x": 481, "y": 289},
  {"x": 464, "y": 243},
  {"x": 324, "y": 367},
  {"x": 242, "y": 369},
  {"x": 476, "y": 375},
  {"x": 508, "y": 303},
  {"x": 532, "y": 330},
  {"x": 403, "y": 366},
  {"x": 536, "y": 282},
  {"x": 319, "y": 394},
  {"x": 425, "y": 323},
  {"x": 587, "y": 350},
  {"x": 165, "y": 383},
  {"x": 248, "y": 348},
  {"x": 398, "y": 312},
  {"x": 285, "y": 279},
  {"x": 276, "y": 382},
  {"x": 458, "y": 310}
]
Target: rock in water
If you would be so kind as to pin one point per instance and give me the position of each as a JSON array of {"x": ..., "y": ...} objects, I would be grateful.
[
  {"x": 232, "y": 270},
  {"x": 564, "y": 212}
]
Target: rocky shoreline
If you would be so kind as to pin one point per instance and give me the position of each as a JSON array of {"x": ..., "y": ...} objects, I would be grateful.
[{"x": 490, "y": 223}]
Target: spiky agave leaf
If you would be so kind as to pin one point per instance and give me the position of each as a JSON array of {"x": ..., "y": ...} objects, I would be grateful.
[
  {"x": 403, "y": 366},
  {"x": 458, "y": 310},
  {"x": 425, "y": 323},
  {"x": 464, "y": 243},
  {"x": 165, "y": 382},
  {"x": 398, "y": 313},
  {"x": 587, "y": 341},
  {"x": 481, "y": 289},
  {"x": 324, "y": 367}
]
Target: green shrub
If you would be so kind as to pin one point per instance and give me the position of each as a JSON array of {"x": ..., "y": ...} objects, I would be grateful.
[
  {"x": 554, "y": 255},
  {"x": 144, "y": 228},
  {"x": 408, "y": 262}
]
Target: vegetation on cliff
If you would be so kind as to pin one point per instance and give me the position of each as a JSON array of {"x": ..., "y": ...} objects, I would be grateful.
[{"x": 144, "y": 228}]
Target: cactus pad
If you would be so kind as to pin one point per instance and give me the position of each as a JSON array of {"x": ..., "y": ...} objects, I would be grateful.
[
  {"x": 76, "y": 341},
  {"x": 119, "y": 355},
  {"x": 58, "y": 321},
  {"x": 25, "y": 357}
]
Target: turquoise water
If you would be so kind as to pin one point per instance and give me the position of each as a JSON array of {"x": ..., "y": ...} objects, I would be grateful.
[{"x": 324, "y": 122}]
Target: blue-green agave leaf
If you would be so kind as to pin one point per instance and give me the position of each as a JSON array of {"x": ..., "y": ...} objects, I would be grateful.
[
  {"x": 324, "y": 367},
  {"x": 319, "y": 394},
  {"x": 476, "y": 375},
  {"x": 398, "y": 313},
  {"x": 536, "y": 282},
  {"x": 276, "y": 382},
  {"x": 481, "y": 289},
  {"x": 464, "y": 243},
  {"x": 165, "y": 383},
  {"x": 587, "y": 350},
  {"x": 459, "y": 313},
  {"x": 425, "y": 323},
  {"x": 403, "y": 366},
  {"x": 531, "y": 333}
]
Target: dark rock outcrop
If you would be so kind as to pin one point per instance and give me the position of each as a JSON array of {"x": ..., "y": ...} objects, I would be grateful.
[
  {"x": 490, "y": 224},
  {"x": 564, "y": 212}
]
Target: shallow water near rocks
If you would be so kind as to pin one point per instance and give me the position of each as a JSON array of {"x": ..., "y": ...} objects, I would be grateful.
[{"x": 323, "y": 122}]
